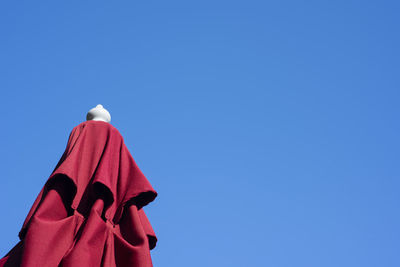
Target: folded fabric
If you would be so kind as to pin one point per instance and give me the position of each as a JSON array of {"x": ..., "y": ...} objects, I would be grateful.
[{"x": 90, "y": 211}]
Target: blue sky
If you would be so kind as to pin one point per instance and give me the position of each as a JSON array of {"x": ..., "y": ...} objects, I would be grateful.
[{"x": 270, "y": 129}]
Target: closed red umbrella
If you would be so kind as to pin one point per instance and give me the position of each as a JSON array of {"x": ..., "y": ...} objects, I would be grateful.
[{"x": 90, "y": 211}]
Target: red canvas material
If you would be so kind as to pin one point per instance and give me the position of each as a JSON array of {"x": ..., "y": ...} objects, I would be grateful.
[{"x": 90, "y": 211}]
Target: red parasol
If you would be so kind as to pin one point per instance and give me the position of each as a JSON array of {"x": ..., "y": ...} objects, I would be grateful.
[{"x": 89, "y": 212}]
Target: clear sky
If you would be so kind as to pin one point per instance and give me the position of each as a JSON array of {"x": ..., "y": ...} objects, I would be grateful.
[{"x": 270, "y": 129}]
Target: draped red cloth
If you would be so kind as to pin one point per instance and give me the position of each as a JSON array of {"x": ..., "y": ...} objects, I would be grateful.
[{"x": 89, "y": 212}]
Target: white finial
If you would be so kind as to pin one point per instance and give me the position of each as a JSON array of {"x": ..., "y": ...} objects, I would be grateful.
[{"x": 98, "y": 114}]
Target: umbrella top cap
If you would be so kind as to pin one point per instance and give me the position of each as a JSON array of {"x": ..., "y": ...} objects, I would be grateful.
[{"x": 99, "y": 113}]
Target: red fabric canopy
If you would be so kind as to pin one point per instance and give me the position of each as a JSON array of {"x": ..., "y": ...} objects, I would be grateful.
[{"x": 89, "y": 212}]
